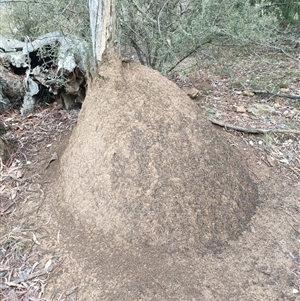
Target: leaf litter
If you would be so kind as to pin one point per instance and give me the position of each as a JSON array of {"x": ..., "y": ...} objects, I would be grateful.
[
  {"x": 258, "y": 99},
  {"x": 23, "y": 273}
]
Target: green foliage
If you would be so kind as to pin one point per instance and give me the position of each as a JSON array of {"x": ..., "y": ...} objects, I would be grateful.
[
  {"x": 287, "y": 11},
  {"x": 36, "y": 18},
  {"x": 164, "y": 33}
]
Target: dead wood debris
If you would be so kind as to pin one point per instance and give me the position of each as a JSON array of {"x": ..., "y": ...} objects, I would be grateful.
[
  {"x": 253, "y": 130},
  {"x": 283, "y": 95},
  {"x": 273, "y": 147}
]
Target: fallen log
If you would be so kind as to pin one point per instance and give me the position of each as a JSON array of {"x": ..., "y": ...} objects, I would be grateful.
[{"x": 53, "y": 67}]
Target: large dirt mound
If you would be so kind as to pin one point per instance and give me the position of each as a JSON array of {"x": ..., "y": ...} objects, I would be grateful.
[{"x": 145, "y": 168}]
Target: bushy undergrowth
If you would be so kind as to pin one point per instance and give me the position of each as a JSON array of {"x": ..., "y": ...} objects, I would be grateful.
[
  {"x": 162, "y": 33},
  {"x": 36, "y": 18}
]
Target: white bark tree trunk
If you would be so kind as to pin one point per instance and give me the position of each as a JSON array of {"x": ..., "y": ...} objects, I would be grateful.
[{"x": 103, "y": 27}]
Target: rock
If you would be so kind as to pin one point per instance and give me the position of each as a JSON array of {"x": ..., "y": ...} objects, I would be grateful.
[
  {"x": 239, "y": 109},
  {"x": 291, "y": 114},
  {"x": 277, "y": 103},
  {"x": 260, "y": 109},
  {"x": 248, "y": 93},
  {"x": 4, "y": 102},
  {"x": 284, "y": 90},
  {"x": 191, "y": 92}
]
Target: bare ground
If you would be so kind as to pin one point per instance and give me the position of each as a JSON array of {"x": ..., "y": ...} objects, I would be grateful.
[{"x": 74, "y": 264}]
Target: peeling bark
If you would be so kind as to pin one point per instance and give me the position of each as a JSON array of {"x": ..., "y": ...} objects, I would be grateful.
[{"x": 103, "y": 27}]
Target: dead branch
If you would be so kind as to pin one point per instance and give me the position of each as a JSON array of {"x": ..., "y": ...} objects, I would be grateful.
[
  {"x": 292, "y": 96},
  {"x": 252, "y": 130}
]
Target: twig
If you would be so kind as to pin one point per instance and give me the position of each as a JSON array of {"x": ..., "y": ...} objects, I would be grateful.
[
  {"x": 297, "y": 231},
  {"x": 186, "y": 56},
  {"x": 284, "y": 52},
  {"x": 31, "y": 276},
  {"x": 252, "y": 130},
  {"x": 292, "y": 96},
  {"x": 142, "y": 12},
  {"x": 53, "y": 158},
  {"x": 158, "y": 17}
]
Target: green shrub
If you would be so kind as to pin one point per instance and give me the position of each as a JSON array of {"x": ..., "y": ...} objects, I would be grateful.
[
  {"x": 36, "y": 18},
  {"x": 287, "y": 11},
  {"x": 163, "y": 33}
]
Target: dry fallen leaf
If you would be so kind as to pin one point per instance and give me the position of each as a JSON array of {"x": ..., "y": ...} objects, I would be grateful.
[
  {"x": 286, "y": 161},
  {"x": 35, "y": 239},
  {"x": 19, "y": 174},
  {"x": 271, "y": 160},
  {"x": 48, "y": 264},
  {"x": 14, "y": 284}
]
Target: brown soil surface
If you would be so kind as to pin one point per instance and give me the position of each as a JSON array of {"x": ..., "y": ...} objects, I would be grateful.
[{"x": 107, "y": 255}]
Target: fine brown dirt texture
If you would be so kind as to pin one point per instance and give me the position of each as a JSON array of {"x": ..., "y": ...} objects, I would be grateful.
[
  {"x": 151, "y": 202},
  {"x": 150, "y": 170}
]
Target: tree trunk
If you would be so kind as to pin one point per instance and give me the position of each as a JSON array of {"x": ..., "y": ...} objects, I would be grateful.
[{"x": 103, "y": 27}]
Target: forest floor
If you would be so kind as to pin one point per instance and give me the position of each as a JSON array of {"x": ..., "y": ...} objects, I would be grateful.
[{"x": 253, "y": 101}]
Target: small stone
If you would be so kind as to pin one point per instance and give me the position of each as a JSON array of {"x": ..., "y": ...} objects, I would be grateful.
[
  {"x": 292, "y": 113},
  {"x": 191, "y": 92},
  {"x": 276, "y": 105},
  {"x": 239, "y": 109},
  {"x": 248, "y": 93},
  {"x": 278, "y": 100},
  {"x": 259, "y": 109},
  {"x": 284, "y": 90},
  {"x": 295, "y": 291}
]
